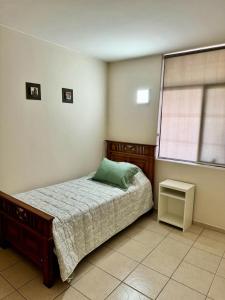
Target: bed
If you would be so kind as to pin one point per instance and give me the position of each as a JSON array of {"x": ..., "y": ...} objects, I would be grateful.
[{"x": 59, "y": 225}]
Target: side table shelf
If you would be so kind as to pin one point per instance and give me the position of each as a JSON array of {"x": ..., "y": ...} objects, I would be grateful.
[{"x": 176, "y": 200}]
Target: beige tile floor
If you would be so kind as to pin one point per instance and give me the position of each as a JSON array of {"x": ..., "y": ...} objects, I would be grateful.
[{"x": 147, "y": 260}]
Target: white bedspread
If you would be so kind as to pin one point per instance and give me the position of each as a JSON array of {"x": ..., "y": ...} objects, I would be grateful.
[{"x": 88, "y": 213}]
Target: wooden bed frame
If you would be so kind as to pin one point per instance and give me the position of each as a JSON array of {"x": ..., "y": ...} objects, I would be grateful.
[{"x": 29, "y": 230}]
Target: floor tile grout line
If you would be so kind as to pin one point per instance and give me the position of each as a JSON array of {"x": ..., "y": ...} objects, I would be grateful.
[
  {"x": 215, "y": 274},
  {"x": 195, "y": 266},
  {"x": 20, "y": 287},
  {"x": 122, "y": 253},
  {"x": 188, "y": 252},
  {"x": 95, "y": 266},
  {"x": 120, "y": 281},
  {"x": 22, "y": 295},
  {"x": 181, "y": 283},
  {"x": 139, "y": 263},
  {"x": 155, "y": 247},
  {"x": 182, "y": 260},
  {"x": 131, "y": 271},
  {"x": 164, "y": 237},
  {"x": 113, "y": 290},
  {"x": 211, "y": 239},
  {"x": 210, "y": 252},
  {"x": 81, "y": 275},
  {"x": 215, "y": 241},
  {"x": 171, "y": 276},
  {"x": 221, "y": 276},
  {"x": 193, "y": 246},
  {"x": 149, "y": 229},
  {"x": 188, "y": 244},
  {"x": 14, "y": 289},
  {"x": 130, "y": 238},
  {"x": 191, "y": 288},
  {"x": 201, "y": 268},
  {"x": 5, "y": 269},
  {"x": 205, "y": 251},
  {"x": 137, "y": 290},
  {"x": 114, "y": 275},
  {"x": 70, "y": 286},
  {"x": 13, "y": 293},
  {"x": 17, "y": 289},
  {"x": 129, "y": 287},
  {"x": 81, "y": 293}
]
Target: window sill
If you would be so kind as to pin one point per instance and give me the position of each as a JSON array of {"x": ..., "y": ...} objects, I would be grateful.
[{"x": 192, "y": 164}]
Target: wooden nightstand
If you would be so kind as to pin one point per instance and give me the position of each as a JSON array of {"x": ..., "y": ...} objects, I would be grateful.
[{"x": 176, "y": 200}]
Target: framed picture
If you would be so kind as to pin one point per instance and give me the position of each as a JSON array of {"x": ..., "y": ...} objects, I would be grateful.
[
  {"x": 67, "y": 95},
  {"x": 33, "y": 91}
]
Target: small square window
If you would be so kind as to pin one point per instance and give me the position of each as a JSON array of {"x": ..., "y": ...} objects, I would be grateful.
[{"x": 142, "y": 96}]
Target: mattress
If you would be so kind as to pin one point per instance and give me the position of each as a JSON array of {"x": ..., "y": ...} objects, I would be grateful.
[{"x": 87, "y": 213}]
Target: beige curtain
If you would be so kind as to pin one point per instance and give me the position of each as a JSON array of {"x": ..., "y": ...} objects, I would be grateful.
[
  {"x": 181, "y": 115},
  {"x": 213, "y": 134},
  {"x": 202, "y": 68},
  {"x": 193, "y": 108}
]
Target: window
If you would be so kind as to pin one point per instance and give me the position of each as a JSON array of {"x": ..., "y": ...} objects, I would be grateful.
[{"x": 192, "y": 125}]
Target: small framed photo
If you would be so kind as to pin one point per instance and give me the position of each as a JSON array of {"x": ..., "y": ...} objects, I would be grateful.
[
  {"x": 33, "y": 91},
  {"x": 67, "y": 95}
]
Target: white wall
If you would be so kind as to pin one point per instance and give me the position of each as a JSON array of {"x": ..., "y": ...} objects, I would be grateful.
[
  {"x": 47, "y": 141},
  {"x": 129, "y": 122}
]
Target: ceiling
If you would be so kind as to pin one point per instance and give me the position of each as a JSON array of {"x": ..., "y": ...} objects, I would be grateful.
[{"x": 119, "y": 29}]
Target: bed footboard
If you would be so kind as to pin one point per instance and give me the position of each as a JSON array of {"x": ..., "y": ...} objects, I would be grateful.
[{"x": 28, "y": 230}]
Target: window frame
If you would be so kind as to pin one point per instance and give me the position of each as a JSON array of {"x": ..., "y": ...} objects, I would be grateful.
[{"x": 204, "y": 87}]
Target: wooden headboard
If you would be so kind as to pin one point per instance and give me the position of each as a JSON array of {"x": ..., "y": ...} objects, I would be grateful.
[{"x": 139, "y": 154}]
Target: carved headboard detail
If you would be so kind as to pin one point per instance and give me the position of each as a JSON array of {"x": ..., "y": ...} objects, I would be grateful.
[{"x": 139, "y": 154}]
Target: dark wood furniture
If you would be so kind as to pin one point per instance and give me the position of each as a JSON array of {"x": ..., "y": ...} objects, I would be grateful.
[
  {"x": 29, "y": 230},
  {"x": 139, "y": 154}
]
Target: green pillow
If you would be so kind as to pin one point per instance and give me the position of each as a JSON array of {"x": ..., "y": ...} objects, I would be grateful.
[{"x": 118, "y": 174}]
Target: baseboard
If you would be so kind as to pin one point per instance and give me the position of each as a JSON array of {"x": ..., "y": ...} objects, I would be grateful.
[
  {"x": 201, "y": 224},
  {"x": 209, "y": 226}
]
